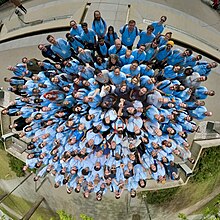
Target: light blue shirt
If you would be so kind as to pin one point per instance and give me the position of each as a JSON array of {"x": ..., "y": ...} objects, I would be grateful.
[
  {"x": 145, "y": 38},
  {"x": 62, "y": 48}
]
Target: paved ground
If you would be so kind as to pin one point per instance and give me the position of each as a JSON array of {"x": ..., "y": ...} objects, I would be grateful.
[{"x": 198, "y": 24}]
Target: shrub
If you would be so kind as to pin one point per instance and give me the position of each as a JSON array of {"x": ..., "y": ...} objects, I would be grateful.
[
  {"x": 16, "y": 165},
  {"x": 208, "y": 165},
  {"x": 159, "y": 196}
]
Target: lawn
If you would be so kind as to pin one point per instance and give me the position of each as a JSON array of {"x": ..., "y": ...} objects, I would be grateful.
[
  {"x": 201, "y": 184},
  {"x": 21, "y": 206},
  {"x": 5, "y": 170},
  {"x": 208, "y": 205}
]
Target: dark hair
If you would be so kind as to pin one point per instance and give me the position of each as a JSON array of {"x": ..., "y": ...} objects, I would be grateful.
[
  {"x": 150, "y": 27},
  {"x": 85, "y": 172},
  {"x": 77, "y": 190},
  {"x": 113, "y": 34},
  {"x": 132, "y": 196},
  {"x": 163, "y": 16},
  {"x": 139, "y": 183},
  {"x": 135, "y": 61},
  {"x": 97, "y": 169},
  {"x": 84, "y": 24},
  {"x": 190, "y": 51},
  {"x": 132, "y": 21},
  {"x": 48, "y": 37}
]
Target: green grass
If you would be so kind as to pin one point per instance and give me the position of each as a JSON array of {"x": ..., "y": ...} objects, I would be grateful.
[
  {"x": 192, "y": 193},
  {"x": 5, "y": 170},
  {"x": 21, "y": 206},
  {"x": 205, "y": 180},
  {"x": 208, "y": 205}
]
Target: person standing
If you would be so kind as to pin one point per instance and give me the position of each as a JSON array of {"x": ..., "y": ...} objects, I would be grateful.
[
  {"x": 88, "y": 37},
  {"x": 99, "y": 25},
  {"x": 159, "y": 25},
  {"x": 128, "y": 34}
]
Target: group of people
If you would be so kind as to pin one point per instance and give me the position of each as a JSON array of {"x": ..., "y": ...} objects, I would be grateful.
[{"x": 105, "y": 114}]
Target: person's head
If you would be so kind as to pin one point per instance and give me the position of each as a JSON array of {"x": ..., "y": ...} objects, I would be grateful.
[
  {"x": 118, "y": 44},
  {"x": 142, "y": 183},
  {"x": 123, "y": 87},
  {"x": 142, "y": 91},
  {"x": 78, "y": 188},
  {"x": 77, "y": 109},
  {"x": 135, "y": 80},
  {"x": 176, "y": 68},
  {"x": 212, "y": 65},
  {"x": 128, "y": 53},
  {"x": 153, "y": 168},
  {"x": 97, "y": 166},
  {"x": 183, "y": 134},
  {"x": 151, "y": 80},
  {"x": 155, "y": 43},
  {"x": 110, "y": 30},
  {"x": 85, "y": 171},
  {"x": 131, "y": 110},
  {"x": 89, "y": 117},
  {"x": 98, "y": 196},
  {"x": 73, "y": 24},
  {"x": 198, "y": 57},
  {"x": 163, "y": 19},
  {"x": 210, "y": 92},
  {"x": 113, "y": 59},
  {"x": 40, "y": 63},
  {"x": 142, "y": 48},
  {"x": 188, "y": 52},
  {"x": 4, "y": 111},
  {"x": 51, "y": 39},
  {"x": 168, "y": 35},
  {"x": 131, "y": 25},
  {"x": 150, "y": 29},
  {"x": 134, "y": 65},
  {"x": 202, "y": 78},
  {"x": 80, "y": 50},
  {"x": 171, "y": 131},
  {"x": 24, "y": 60},
  {"x": 86, "y": 194},
  {"x": 42, "y": 47},
  {"x": 133, "y": 193},
  {"x": 84, "y": 26},
  {"x": 99, "y": 60},
  {"x": 159, "y": 118},
  {"x": 117, "y": 71},
  {"x": 97, "y": 15},
  {"x": 69, "y": 37},
  {"x": 101, "y": 41},
  {"x": 170, "y": 44},
  {"x": 208, "y": 113}
]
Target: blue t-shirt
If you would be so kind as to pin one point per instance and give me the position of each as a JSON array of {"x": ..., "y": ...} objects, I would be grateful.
[
  {"x": 113, "y": 50},
  {"x": 88, "y": 37},
  {"x": 128, "y": 37},
  {"x": 146, "y": 72},
  {"x": 127, "y": 70},
  {"x": 62, "y": 48},
  {"x": 76, "y": 32},
  {"x": 158, "y": 28},
  {"x": 140, "y": 57},
  {"x": 117, "y": 80},
  {"x": 145, "y": 38},
  {"x": 124, "y": 60},
  {"x": 99, "y": 27}
]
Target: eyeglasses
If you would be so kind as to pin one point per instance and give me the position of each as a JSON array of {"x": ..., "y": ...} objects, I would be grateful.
[{"x": 163, "y": 20}]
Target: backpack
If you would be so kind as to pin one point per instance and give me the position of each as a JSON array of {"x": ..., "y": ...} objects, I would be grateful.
[{"x": 123, "y": 30}]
